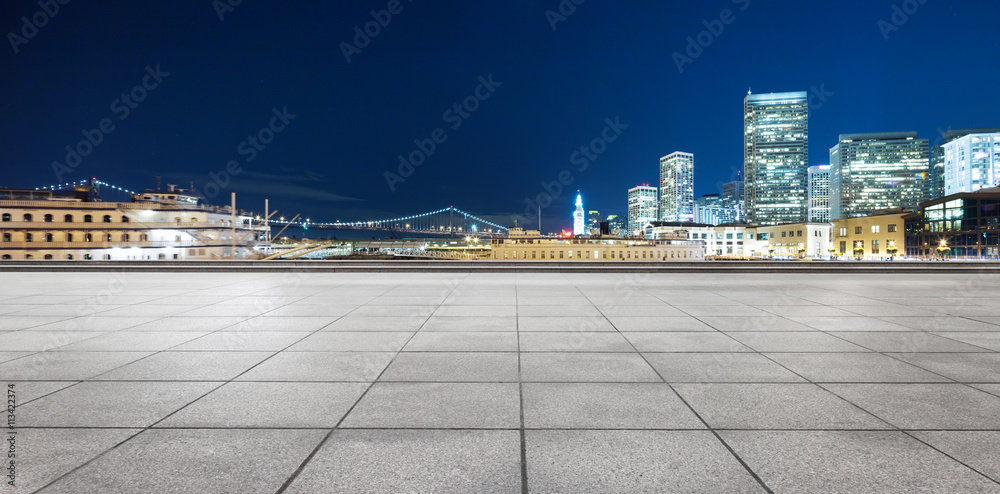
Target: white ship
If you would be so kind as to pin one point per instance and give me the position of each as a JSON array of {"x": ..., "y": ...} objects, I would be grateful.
[{"x": 74, "y": 224}]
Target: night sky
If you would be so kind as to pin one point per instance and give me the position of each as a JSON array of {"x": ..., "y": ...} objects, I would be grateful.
[{"x": 221, "y": 81}]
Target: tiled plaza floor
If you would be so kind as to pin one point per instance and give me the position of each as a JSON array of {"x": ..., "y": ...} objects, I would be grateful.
[{"x": 244, "y": 383}]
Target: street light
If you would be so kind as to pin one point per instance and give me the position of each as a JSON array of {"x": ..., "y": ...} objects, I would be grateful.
[
  {"x": 892, "y": 249},
  {"x": 943, "y": 248},
  {"x": 859, "y": 250}
]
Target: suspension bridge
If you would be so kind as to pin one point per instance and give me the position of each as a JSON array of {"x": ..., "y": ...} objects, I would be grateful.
[{"x": 446, "y": 221}]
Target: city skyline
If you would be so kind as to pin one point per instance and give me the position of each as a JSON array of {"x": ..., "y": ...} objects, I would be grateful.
[{"x": 335, "y": 146}]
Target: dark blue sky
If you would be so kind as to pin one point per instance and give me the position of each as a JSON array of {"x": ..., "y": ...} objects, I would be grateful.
[{"x": 605, "y": 60}]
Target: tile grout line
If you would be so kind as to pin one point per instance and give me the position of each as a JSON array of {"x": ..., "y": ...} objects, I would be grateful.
[
  {"x": 305, "y": 462},
  {"x": 708, "y": 426}
]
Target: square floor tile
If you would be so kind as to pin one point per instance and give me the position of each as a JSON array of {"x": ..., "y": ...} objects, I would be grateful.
[
  {"x": 168, "y": 460},
  {"x": 645, "y": 323},
  {"x": 962, "y": 367},
  {"x": 586, "y": 367},
  {"x": 469, "y": 324},
  {"x": 856, "y": 323},
  {"x": 460, "y": 341},
  {"x": 719, "y": 367},
  {"x": 186, "y": 366},
  {"x": 376, "y": 323},
  {"x": 754, "y": 323},
  {"x": 353, "y": 341},
  {"x": 774, "y": 406},
  {"x": 795, "y": 342},
  {"x": 44, "y": 455},
  {"x": 270, "y": 405},
  {"x": 110, "y": 404},
  {"x": 453, "y": 367},
  {"x": 913, "y": 341},
  {"x": 851, "y": 461},
  {"x": 570, "y": 323},
  {"x": 977, "y": 449},
  {"x": 242, "y": 341},
  {"x": 574, "y": 342},
  {"x": 685, "y": 342},
  {"x": 853, "y": 367},
  {"x": 925, "y": 406},
  {"x": 320, "y": 366},
  {"x": 437, "y": 405},
  {"x": 37, "y": 341},
  {"x": 61, "y": 366},
  {"x": 632, "y": 461},
  {"x": 414, "y": 461},
  {"x": 133, "y": 341},
  {"x": 606, "y": 406}
]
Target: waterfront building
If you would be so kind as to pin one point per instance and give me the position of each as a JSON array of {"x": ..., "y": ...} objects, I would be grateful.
[
  {"x": 579, "y": 222},
  {"x": 677, "y": 187},
  {"x": 642, "y": 207},
  {"x": 819, "y": 193},
  {"x": 74, "y": 224},
  {"x": 733, "y": 207},
  {"x": 775, "y": 153},
  {"x": 872, "y": 172},
  {"x": 708, "y": 209},
  {"x": 795, "y": 240},
  {"x": 966, "y": 223},
  {"x": 971, "y": 160},
  {"x": 521, "y": 244},
  {"x": 871, "y": 237}
]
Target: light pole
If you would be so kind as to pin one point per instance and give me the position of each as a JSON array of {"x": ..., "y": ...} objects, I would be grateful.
[
  {"x": 892, "y": 249},
  {"x": 943, "y": 248},
  {"x": 859, "y": 251}
]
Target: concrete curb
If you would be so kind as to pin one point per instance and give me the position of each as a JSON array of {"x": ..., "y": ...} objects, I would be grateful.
[{"x": 444, "y": 266}]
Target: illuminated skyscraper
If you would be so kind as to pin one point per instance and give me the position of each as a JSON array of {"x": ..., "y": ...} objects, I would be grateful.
[
  {"x": 733, "y": 207},
  {"x": 819, "y": 193},
  {"x": 877, "y": 171},
  {"x": 971, "y": 160},
  {"x": 677, "y": 187},
  {"x": 775, "y": 153},
  {"x": 708, "y": 209},
  {"x": 641, "y": 207},
  {"x": 579, "y": 221}
]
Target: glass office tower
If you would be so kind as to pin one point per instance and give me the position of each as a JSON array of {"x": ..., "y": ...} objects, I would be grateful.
[
  {"x": 877, "y": 171},
  {"x": 819, "y": 193},
  {"x": 677, "y": 187},
  {"x": 641, "y": 207},
  {"x": 776, "y": 150}
]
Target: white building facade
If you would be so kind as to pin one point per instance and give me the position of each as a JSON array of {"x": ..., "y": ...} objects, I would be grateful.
[
  {"x": 642, "y": 207},
  {"x": 677, "y": 187},
  {"x": 819, "y": 193},
  {"x": 971, "y": 162}
]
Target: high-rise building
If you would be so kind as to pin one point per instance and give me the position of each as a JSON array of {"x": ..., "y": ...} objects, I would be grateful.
[
  {"x": 578, "y": 217},
  {"x": 594, "y": 220},
  {"x": 733, "y": 207},
  {"x": 641, "y": 207},
  {"x": 819, "y": 193},
  {"x": 971, "y": 160},
  {"x": 708, "y": 209},
  {"x": 775, "y": 153},
  {"x": 677, "y": 187},
  {"x": 877, "y": 171},
  {"x": 935, "y": 175}
]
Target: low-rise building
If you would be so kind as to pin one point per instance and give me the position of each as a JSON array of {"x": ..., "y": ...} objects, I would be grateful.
[
  {"x": 965, "y": 225},
  {"x": 810, "y": 240},
  {"x": 871, "y": 237},
  {"x": 530, "y": 245}
]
